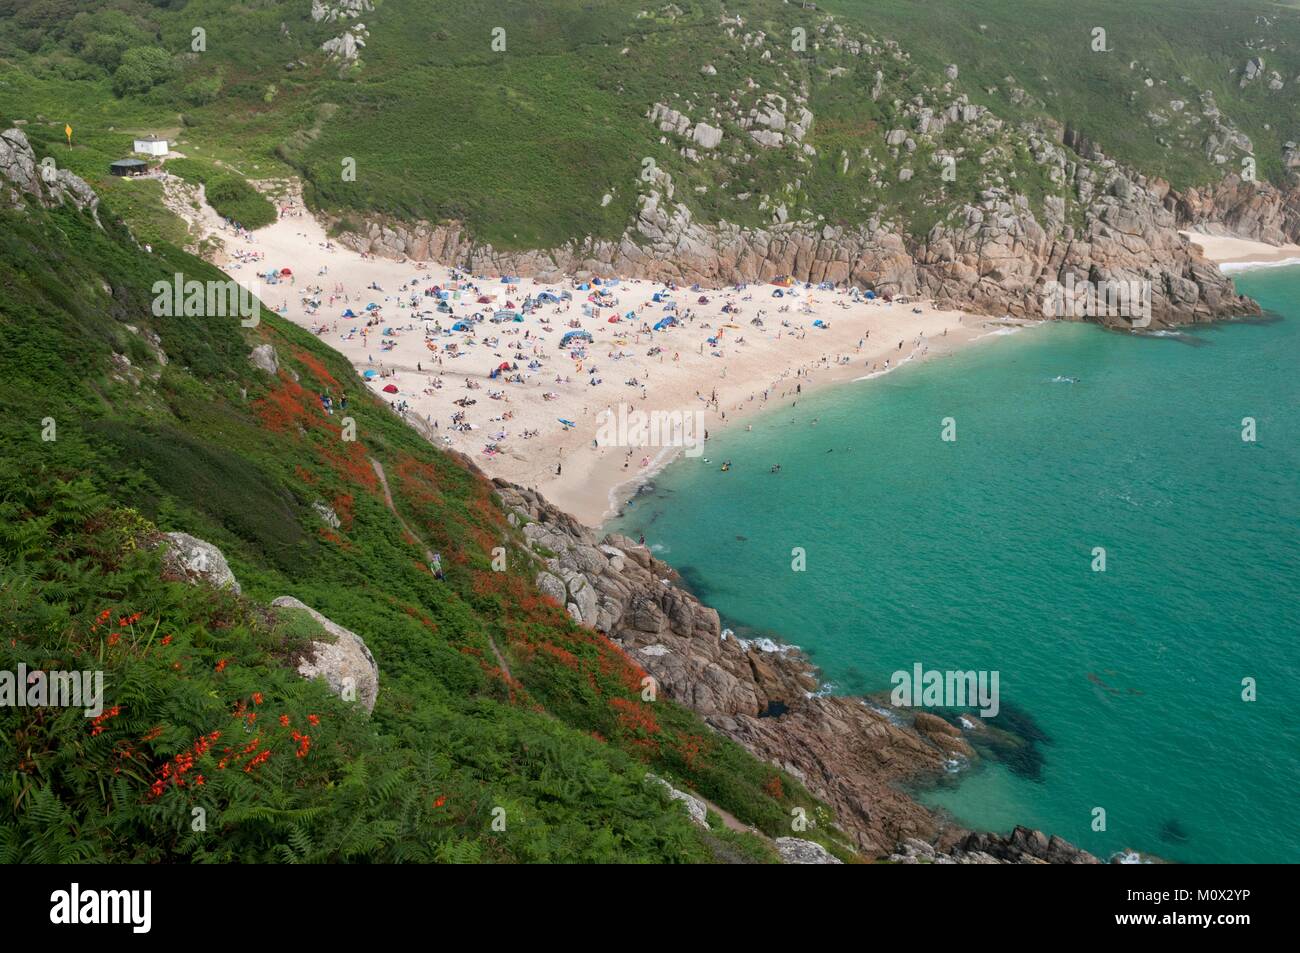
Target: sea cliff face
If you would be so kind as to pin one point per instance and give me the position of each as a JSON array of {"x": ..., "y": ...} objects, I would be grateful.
[
  {"x": 853, "y": 755},
  {"x": 993, "y": 257}
]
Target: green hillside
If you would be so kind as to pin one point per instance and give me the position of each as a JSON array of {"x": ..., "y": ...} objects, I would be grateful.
[
  {"x": 120, "y": 425},
  {"x": 545, "y": 140}
]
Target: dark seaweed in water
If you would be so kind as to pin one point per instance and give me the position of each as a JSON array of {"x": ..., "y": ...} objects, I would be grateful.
[
  {"x": 854, "y": 681},
  {"x": 694, "y": 582},
  {"x": 1171, "y": 832},
  {"x": 1013, "y": 738}
]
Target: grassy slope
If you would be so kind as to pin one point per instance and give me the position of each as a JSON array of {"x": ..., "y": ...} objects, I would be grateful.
[
  {"x": 1047, "y": 46},
  {"x": 524, "y": 144},
  {"x": 211, "y": 446}
]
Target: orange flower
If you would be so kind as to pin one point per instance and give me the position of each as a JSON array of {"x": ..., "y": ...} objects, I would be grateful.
[
  {"x": 257, "y": 698},
  {"x": 221, "y": 666}
]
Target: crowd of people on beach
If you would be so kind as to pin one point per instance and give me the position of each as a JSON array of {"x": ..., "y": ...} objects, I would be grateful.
[{"x": 455, "y": 352}]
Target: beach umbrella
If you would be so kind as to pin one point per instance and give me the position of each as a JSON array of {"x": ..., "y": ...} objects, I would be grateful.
[{"x": 369, "y": 374}]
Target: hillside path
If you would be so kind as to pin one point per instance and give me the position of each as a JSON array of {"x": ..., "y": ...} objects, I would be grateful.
[{"x": 428, "y": 553}]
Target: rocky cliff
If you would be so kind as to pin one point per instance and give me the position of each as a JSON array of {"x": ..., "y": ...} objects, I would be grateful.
[
  {"x": 1253, "y": 210},
  {"x": 849, "y": 753},
  {"x": 41, "y": 180},
  {"x": 994, "y": 257}
]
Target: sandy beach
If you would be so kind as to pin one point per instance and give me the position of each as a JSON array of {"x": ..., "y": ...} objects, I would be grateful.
[
  {"x": 1238, "y": 254},
  {"x": 478, "y": 360}
]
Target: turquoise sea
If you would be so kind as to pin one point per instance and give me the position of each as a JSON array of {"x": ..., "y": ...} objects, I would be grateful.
[{"x": 1120, "y": 689}]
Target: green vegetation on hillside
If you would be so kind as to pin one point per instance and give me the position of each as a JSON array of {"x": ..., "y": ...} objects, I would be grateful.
[
  {"x": 226, "y": 192},
  {"x": 105, "y": 447},
  {"x": 545, "y": 141}
]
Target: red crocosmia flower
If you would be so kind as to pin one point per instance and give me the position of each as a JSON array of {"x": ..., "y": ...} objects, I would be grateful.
[
  {"x": 114, "y": 638},
  {"x": 442, "y": 799},
  {"x": 166, "y": 640},
  {"x": 284, "y": 721},
  {"x": 314, "y": 720},
  {"x": 257, "y": 698},
  {"x": 221, "y": 666}
]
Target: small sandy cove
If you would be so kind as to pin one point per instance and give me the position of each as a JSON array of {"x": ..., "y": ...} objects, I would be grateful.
[
  {"x": 537, "y": 422},
  {"x": 1237, "y": 254}
]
